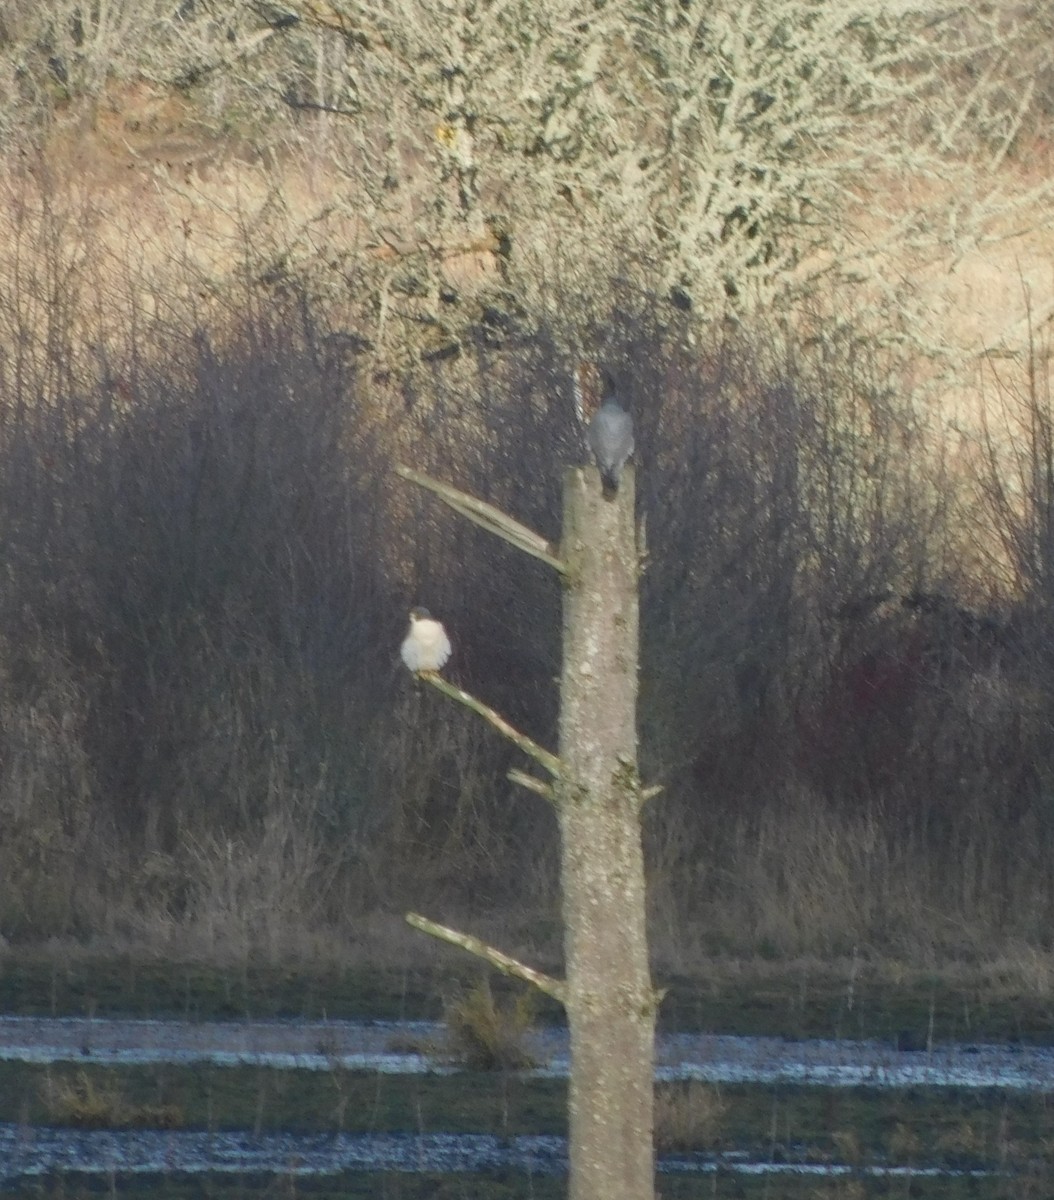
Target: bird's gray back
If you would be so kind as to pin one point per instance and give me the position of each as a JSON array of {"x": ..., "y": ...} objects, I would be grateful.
[{"x": 611, "y": 434}]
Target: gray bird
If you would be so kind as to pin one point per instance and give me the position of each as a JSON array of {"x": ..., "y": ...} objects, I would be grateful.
[{"x": 610, "y": 437}]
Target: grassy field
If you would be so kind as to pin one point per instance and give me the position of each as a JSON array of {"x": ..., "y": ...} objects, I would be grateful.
[{"x": 806, "y": 999}]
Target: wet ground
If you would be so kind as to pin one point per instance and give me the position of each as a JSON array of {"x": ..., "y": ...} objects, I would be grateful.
[
  {"x": 30, "y": 1151},
  {"x": 27, "y": 1151}
]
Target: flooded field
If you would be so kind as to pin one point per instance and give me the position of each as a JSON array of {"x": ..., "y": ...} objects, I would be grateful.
[
  {"x": 28, "y": 1153},
  {"x": 810, "y": 1108}
]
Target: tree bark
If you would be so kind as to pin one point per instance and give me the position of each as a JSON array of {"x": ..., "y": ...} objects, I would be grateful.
[{"x": 609, "y": 996}]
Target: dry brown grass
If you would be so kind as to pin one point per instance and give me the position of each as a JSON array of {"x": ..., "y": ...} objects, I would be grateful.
[
  {"x": 808, "y": 880},
  {"x": 968, "y": 1139},
  {"x": 76, "y": 1099},
  {"x": 688, "y": 1117},
  {"x": 905, "y": 1144},
  {"x": 487, "y": 1034}
]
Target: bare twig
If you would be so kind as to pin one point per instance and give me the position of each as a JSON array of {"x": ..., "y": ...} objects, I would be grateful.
[
  {"x": 501, "y": 962},
  {"x": 490, "y": 518},
  {"x": 531, "y": 784},
  {"x": 540, "y": 755}
]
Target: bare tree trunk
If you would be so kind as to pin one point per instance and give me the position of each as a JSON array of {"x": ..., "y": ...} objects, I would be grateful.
[{"x": 609, "y": 997}]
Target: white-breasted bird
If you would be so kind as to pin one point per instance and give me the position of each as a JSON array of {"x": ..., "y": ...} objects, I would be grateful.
[
  {"x": 426, "y": 647},
  {"x": 610, "y": 437}
]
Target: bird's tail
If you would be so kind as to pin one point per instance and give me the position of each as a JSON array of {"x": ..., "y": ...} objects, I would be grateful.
[{"x": 609, "y": 485}]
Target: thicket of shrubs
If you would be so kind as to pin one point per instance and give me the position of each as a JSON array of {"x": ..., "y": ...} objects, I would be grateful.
[{"x": 206, "y": 562}]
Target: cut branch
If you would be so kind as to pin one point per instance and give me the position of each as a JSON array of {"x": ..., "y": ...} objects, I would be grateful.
[
  {"x": 540, "y": 755},
  {"x": 531, "y": 783},
  {"x": 501, "y": 962},
  {"x": 490, "y": 518}
]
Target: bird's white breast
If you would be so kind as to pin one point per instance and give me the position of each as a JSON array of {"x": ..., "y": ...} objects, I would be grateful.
[{"x": 427, "y": 646}]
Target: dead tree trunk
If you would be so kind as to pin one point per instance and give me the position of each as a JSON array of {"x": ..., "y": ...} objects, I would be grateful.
[
  {"x": 595, "y": 787},
  {"x": 609, "y": 997}
]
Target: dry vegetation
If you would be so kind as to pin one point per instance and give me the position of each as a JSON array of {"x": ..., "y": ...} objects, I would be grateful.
[
  {"x": 689, "y": 1116},
  {"x": 75, "y": 1099},
  {"x": 205, "y": 379},
  {"x": 487, "y": 1034}
]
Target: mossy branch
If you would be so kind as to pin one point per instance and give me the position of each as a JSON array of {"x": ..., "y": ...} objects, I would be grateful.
[
  {"x": 501, "y": 962},
  {"x": 489, "y": 518},
  {"x": 540, "y": 755}
]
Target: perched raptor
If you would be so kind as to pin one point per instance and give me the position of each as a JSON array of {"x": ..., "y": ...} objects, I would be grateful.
[
  {"x": 610, "y": 437},
  {"x": 426, "y": 647}
]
